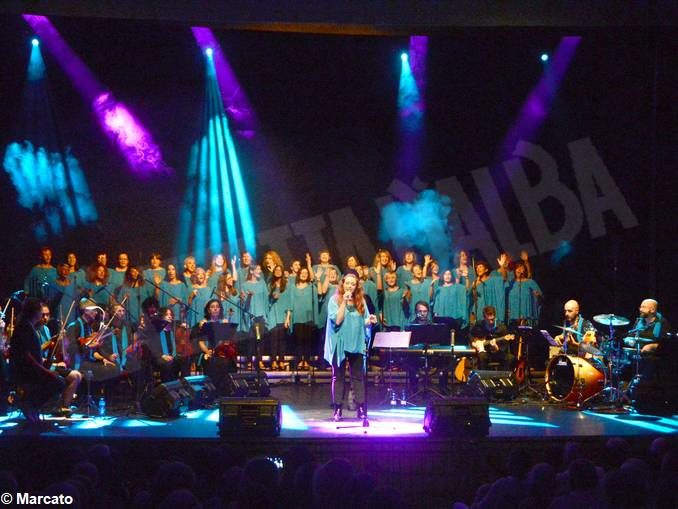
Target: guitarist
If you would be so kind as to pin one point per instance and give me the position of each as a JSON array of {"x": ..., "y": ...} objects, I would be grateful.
[{"x": 489, "y": 338}]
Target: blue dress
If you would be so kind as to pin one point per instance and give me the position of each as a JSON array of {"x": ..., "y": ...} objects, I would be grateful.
[
  {"x": 277, "y": 308},
  {"x": 256, "y": 304},
  {"x": 115, "y": 279},
  {"x": 349, "y": 336},
  {"x": 452, "y": 302},
  {"x": 322, "y": 305},
  {"x": 197, "y": 310},
  {"x": 392, "y": 308},
  {"x": 419, "y": 291},
  {"x": 69, "y": 294},
  {"x": 150, "y": 274},
  {"x": 101, "y": 294},
  {"x": 370, "y": 289},
  {"x": 304, "y": 304},
  {"x": 168, "y": 291},
  {"x": 135, "y": 298},
  {"x": 492, "y": 292},
  {"x": 522, "y": 302},
  {"x": 404, "y": 276},
  {"x": 38, "y": 280}
]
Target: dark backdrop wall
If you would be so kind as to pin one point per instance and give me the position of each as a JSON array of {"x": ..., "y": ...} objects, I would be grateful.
[{"x": 328, "y": 137}]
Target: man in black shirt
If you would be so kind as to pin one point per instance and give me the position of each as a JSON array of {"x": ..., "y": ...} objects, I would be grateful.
[
  {"x": 489, "y": 338},
  {"x": 35, "y": 384}
]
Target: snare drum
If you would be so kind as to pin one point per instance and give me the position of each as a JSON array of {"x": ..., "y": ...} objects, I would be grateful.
[{"x": 573, "y": 379}]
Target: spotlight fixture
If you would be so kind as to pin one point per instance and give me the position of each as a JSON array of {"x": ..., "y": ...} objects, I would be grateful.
[
  {"x": 35, "y": 41},
  {"x": 544, "y": 57},
  {"x": 209, "y": 52},
  {"x": 403, "y": 57}
]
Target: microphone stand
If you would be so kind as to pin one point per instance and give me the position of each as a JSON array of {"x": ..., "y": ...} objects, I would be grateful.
[{"x": 185, "y": 305}]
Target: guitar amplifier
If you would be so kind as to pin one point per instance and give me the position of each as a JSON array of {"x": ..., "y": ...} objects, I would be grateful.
[
  {"x": 255, "y": 416},
  {"x": 169, "y": 399},
  {"x": 202, "y": 391},
  {"x": 494, "y": 385},
  {"x": 458, "y": 417},
  {"x": 248, "y": 383}
]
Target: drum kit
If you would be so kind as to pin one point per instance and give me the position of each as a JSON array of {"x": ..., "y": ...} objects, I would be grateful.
[{"x": 598, "y": 367}]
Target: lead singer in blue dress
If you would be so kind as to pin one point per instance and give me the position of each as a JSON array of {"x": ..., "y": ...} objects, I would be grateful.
[{"x": 346, "y": 337}]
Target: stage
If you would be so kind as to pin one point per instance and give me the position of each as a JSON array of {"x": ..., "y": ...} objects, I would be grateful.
[
  {"x": 305, "y": 416},
  {"x": 394, "y": 448}
]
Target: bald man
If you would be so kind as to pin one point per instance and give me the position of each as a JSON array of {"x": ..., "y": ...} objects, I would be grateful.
[
  {"x": 573, "y": 320},
  {"x": 650, "y": 325}
]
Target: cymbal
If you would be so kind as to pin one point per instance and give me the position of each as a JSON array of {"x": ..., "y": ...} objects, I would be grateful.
[
  {"x": 568, "y": 329},
  {"x": 610, "y": 319},
  {"x": 589, "y": 348},
  {"x": 631, "y": 341}
]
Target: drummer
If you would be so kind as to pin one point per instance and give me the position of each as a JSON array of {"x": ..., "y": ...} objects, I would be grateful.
[
  {"x": 650, "y": 326},
  {"x": 576, "y": 329}
]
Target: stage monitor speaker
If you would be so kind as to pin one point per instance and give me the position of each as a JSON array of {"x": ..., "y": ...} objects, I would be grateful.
[
  {"x": 458, "y": 417},
  {"x": 203, "y": 392},
  {"x": 248, "y": 384},
  {"x": 249, "y": 416},
  {"x": 168, "y": 399},
  {"x": 493, "y": 385}
]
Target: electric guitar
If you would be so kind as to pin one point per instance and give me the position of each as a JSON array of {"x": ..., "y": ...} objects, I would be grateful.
[{"x": 481, "y": 344}]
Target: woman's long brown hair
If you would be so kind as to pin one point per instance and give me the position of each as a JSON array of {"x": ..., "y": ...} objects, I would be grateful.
[{"x": 358, "y": 294}]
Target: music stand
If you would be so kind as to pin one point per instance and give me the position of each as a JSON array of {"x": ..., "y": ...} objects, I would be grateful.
[
  {"x": 388, "y": 341},
  {"x": 429, "y": 334}
]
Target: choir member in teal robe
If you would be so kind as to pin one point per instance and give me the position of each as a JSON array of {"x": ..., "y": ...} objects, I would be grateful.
[
  {"x": 524, "y": 297},
  {"x": 451, "y": 300},
  {"x": 489, "y": 291},
  {"x": 304, "y": 298},
  {"x": 173, "y": 294},
  {"x": 41, "y": 276},
  {"x": 393, "y": 298}
]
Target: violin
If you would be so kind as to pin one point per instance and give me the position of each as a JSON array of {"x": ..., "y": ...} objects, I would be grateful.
[{"x": 95, "y": 337}]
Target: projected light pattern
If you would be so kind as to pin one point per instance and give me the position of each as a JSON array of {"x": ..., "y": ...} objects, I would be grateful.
[
  {"x": 538, "y": 104},
  {"x": 236, "y": 104},
  {"x": 291, "y": 420},
  {"x": 51, "y": 186},
  {"x": 656, "y": 425},
  {"x": 215, "y": 187},
  {"x": 132, "y": 140},
  {"x": 411, "y": 108},
  {"x": 422, "y": 223}
]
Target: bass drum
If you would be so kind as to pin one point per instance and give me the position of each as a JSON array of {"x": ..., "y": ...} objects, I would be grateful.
[{"x": 573, "y": 379}]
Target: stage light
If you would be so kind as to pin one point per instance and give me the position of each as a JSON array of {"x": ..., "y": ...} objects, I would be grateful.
[
  {"x": 544, "y": 57},
  {"x": 117, "y": 121},
  {"x": 215, "y": 212},
  {"x": 35, "y": 41},
  {"x": 403, "y": 57}
]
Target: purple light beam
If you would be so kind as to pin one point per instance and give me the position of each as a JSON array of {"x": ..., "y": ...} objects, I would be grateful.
[
  {"x": 117, "y": 121},
  {"x": 236, "y": 104},
  {"x": 536, "y": 107}
]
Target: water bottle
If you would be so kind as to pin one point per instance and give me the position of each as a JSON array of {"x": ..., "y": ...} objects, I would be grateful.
[
  {"x": 102, "y": 407},
  {"x": 452, "y": 334}
]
